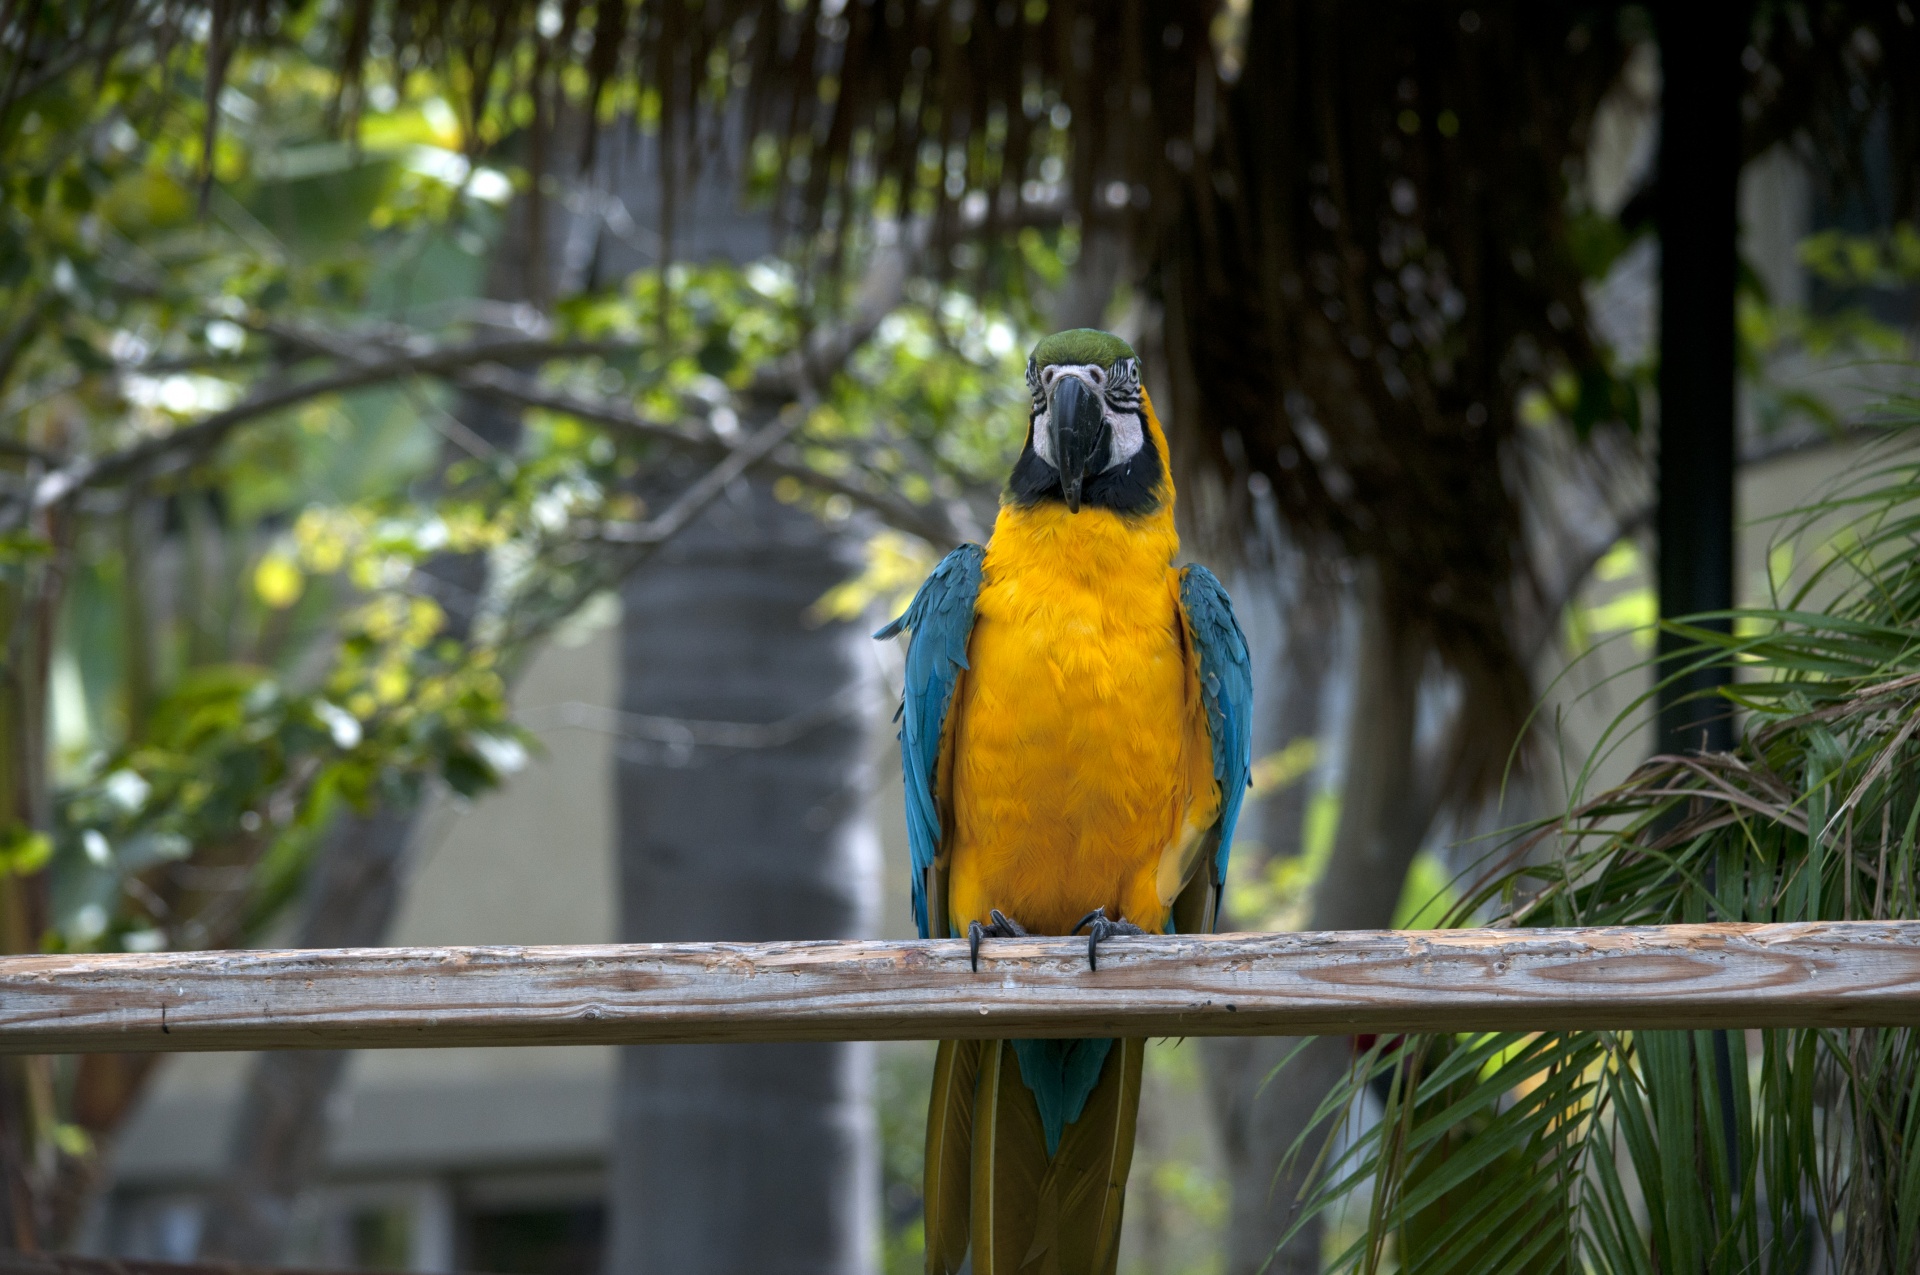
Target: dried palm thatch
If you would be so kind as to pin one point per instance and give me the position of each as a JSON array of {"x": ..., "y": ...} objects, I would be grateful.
[
  {"x": 1544, "y": 1151},
  {"x": 1355, "y": 216},
  {"x": 1360, "y": 274}
]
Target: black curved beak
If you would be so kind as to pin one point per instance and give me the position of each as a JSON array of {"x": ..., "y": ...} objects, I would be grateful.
[{"x": 1078, "y": 424}]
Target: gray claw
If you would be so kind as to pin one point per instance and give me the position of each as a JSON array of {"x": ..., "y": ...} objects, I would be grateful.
[
  {"x": 1099, "y": 929},
  {"x": 1002, "y": 928}
]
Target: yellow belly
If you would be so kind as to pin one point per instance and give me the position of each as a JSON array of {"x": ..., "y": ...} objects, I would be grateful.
[{"x": 1074, "y": 783}]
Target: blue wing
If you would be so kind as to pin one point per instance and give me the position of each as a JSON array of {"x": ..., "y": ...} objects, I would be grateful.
[
  {"x": 940, "y": 620},
  {"x": 1226, "y": 684}
]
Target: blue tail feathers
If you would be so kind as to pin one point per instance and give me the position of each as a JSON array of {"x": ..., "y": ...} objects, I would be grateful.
[{"x": 1062, "y": 1074}]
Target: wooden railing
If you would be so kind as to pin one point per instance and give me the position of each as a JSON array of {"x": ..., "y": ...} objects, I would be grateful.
[
  {"x": 1837, "y": 974},
  {"x": 12, "y": 1263}
]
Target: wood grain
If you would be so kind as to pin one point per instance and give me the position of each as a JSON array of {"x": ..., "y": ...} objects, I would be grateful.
[
  {"x": 1836, "y": 974},
  {"x": 13, "y": 1263}
]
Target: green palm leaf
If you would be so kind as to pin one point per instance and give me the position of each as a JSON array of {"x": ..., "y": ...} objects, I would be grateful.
[{"x": 1644, "y": 1152}]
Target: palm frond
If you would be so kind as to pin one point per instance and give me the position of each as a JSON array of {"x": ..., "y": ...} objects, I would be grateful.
[{"x": 1698, "y": 1151}]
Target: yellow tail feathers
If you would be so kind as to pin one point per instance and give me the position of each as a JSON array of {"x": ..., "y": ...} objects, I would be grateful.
[
  {"x": 948, "y": 1185},
  {"x": 990, "y": 1184}
]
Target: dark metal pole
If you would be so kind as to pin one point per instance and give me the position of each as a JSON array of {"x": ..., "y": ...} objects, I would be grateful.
[
  {"x": 1699, "y": 221},
  {"x": 1700, "y": 44}
]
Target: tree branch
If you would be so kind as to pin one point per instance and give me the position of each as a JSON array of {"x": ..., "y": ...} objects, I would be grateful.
[
  {"x": 688, "y": 505},
  {"x": 27, "y": 451},
  {"x": 76, "y": 475},
  {"x": 19, "y": 334},
  {"x": 929, "y": 524}
]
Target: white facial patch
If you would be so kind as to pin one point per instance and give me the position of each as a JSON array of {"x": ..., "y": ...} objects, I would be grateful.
[{"x": 1119, "y": 393}]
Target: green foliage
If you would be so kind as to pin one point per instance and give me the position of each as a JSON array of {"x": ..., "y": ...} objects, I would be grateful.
[
  {"x": 23, "y": 851},
  {"x": 1891, "y": 260},
  {"x": 244, "y": 633},
  {"x": 928, "y": 408},
  {"x": 1696, "y": 1151},
  {"x": 232, "y": 764},
  {"x": 211, "y": 725},
  {"x": 1852, "y": 270},
  {"x": 941, "y": 388}
]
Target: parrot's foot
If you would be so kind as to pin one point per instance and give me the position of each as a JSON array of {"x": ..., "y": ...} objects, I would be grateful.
[
  {"x": 1002, "y": 928},
  {"x": 1099, "y": 929}
]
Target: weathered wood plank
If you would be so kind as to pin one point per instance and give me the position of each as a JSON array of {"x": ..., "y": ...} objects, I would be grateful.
[
  {"x": 13, "y": 1263},
  {"x": 1835, "y": 974}
]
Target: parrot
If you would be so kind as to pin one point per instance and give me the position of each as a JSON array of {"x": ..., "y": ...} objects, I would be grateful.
[{"x": 1076, "y": 743}]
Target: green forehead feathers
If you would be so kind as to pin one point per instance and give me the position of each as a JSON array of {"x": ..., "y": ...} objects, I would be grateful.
[{"x": 1081, "y": 346}]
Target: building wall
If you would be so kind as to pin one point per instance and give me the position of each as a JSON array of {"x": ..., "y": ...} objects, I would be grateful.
[{"x": 438, "y": 1138}]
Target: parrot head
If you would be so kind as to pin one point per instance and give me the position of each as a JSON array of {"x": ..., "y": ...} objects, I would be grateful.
[{"x": 1088, "y": 440}]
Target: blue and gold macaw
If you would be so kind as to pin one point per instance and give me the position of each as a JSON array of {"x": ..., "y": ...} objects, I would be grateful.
[{"x": 1076, "y": 742}]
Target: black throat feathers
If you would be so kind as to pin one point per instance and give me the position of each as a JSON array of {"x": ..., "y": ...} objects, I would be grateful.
[{"x": 1131, "y": 488}]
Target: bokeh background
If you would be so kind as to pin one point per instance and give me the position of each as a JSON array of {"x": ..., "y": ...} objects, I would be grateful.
[{"x": 451, "y": 457}]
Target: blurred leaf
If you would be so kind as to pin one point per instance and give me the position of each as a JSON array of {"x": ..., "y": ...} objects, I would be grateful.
[
  {"x": 22, "y": 546},
  {"x": 278, "y": 581},
  {"x": 1281, "y": 769},
  {"x": 895, "y": 566},
  {"x": 24, "y": 851}
]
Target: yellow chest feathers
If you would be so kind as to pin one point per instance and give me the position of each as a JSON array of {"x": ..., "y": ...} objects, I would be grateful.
[{"x": 1076, "y": 770}]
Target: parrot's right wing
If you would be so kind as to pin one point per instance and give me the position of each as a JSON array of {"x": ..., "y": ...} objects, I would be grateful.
[{"x": 940, "y": 620}]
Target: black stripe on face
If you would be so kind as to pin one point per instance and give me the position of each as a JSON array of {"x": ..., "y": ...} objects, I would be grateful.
[{"x": 1132, "y": 488}]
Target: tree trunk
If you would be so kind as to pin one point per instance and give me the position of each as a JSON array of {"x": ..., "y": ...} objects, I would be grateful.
[
  {"x": 1384, "y": 806},
  {"x": 31, "y": 1164},
  {"x": 1260, "y": 1114},
  {"x": 737, "y": 1158},
  {"x": 1265, "y": 1090},
  {"x": 1089, "y": 290},
  {"x": 280, "y": 1130}
]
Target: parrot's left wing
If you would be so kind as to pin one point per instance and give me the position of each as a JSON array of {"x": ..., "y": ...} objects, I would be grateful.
[
  {"x": 940, "y": 620},
  {"x": 1226, "y": 686}
]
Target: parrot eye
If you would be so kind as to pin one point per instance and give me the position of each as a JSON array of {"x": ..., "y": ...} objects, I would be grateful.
[{"x": 1123, "y": 383}]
